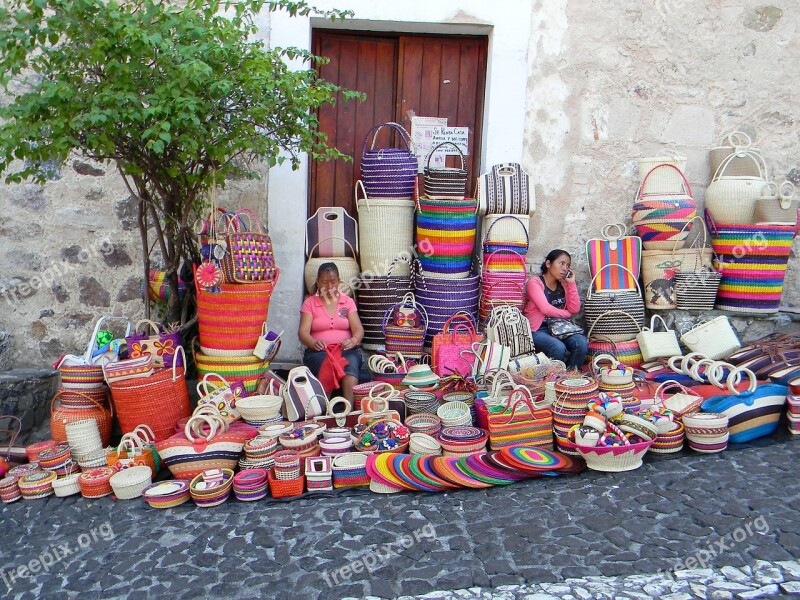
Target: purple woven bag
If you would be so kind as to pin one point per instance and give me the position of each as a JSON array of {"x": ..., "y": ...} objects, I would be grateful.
[{"x": 388, "y": 172}]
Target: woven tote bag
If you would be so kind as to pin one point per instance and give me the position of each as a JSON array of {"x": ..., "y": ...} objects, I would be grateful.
[
  {"x": 376, "y": 293},
  {"x": 506, "y": 232},
  {"x": 247, "y": 369},
  {"x": 249, "y": 257},
  {"x": 627, "y": 301},
  {"x": 779, "y": 208},
  {"x": 664, "y": 181},
  {"x": 332, "y": 232},
  {"x": 734, "y": 145},
  {"x": 230, "y": 320},
  {"x": 507, "y": 325},
  {"x": 446, "y": 237},
  {"x": 715, "y": 339},
  {"x": 660, "y": 218},
  {"x": 731, "y": 199},
  {"x": 521, "y": 421},
  {"x": 347, "y": 266},
  {"x": 158, "y": 401},
  {"x": 445, "y": 182},
  {"x": 386, "y": 233},
  {"x": 618, "y": 249},
  {"x": 505, "y": 190},
  {"x": 389, "y": 172},
  {"x": 752, "y": 260},
  {"x": 657, "y": 344},
  {"x": 443, "y": 298},
  {"x": 628, "y": 353},
  {"x": 457, "y": 335},
  {"x": 404, "y": 327},
  {"x": 659, "y": 268},
  {"x": 615, "y": 325}
]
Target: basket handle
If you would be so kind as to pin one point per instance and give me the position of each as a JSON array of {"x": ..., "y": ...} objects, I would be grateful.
[
  {"x": 195, "y": 419},
  {"x": 620, "y": 228},
  {"x": 488, "y": 261},
  {"x": 609, "y": 312},
  {"x": 360, "y": 186},
  {"x": 459, "y": 319},
  {"x": 786, "y": 198},
  {"x": 757, "y": 159},
  {"x": 89, "y": 398},
  {"x": 252, "y": 218},
  {"x": 678, "y": 240},
  {"x": 87, "y": 357},
  {"x": 653, "y": 323},
  {"x": 432, "y": 152},
  {"x": 735, "y": 136},
  {"x": 152, "y": 324},
  {"x": 614, "y": 266},
  {"x": 500, "y": 218},
  {"x": 202, "y": 385},
  {"x": 377, "y": 129},
  {"x": 332, "y": 237},
  {"x": 738, "y": 371},
  {"x": 598, "y": 357},
  {"x": 641, "y": 194},
  {"x": 145, "y": 433}
]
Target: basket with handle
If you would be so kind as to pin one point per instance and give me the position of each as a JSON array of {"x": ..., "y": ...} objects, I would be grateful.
[
  {"x": 389, "y": 172},
  {"x": 659, "y": 218},
  {"x": 249, "y": 257},
  {"x": 445, "y": 182},
  {"x": 443, "y": 298},
  {"x": 386, "y": 232},
  {"x": 665, "y": 181},
  {"x": 714, "y": 338},
  {"x": 618, "y": 249},
  {"x": 658, "y": 344},
  {"x": 376, "y": 293},
  {"x": 60, "y": 416},
  {"x": 621, "y": 346},
  {"x": 405, "y": 333},
  {"x": 509, "y": 232},
  {"x": 457, "y": 334},
  {"x": 347, "y": 266},
  {"x": 733, "y": 145},
  {"x": 629, "y": 301},
  {"x": 780, "y": 208},
  {"x": 521, "y": 421},
  {"x": 731, "y": 199}
]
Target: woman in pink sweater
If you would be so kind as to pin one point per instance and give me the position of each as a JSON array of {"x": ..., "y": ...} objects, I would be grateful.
[{"x": 554, "y": 295}]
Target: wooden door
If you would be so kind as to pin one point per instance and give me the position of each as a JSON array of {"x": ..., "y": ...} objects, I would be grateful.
[{"x": 432, "y": 76}]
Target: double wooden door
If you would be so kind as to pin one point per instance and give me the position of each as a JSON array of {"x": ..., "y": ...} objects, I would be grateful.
[{"x": 401, "y": 75}]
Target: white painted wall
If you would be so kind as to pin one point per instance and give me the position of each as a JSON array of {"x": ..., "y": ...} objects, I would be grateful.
[{"x": 509, "y": 33}]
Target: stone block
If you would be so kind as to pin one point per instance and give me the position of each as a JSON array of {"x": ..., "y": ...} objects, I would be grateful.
[
  {"x": 26, "y": 394},
  {"x": 690, "y": 126}
]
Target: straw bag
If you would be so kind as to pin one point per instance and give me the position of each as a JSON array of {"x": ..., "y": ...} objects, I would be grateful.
[
  {"x": 348, "y": 271},
  {"x": 665, "y": 181},
  {"x": 458, "y": 333},
  {"x": 61, "y": 415},
  {"x": 221, "y": 394},
  {"x": 779, "y": 208},
  {"x": 505, "y": 189},
  {"x": 304, "y": 395},
  {"x": 131, "y": 452},
  {"x": 731, "y": 199},
  {"x": 386, "y": 233},
  {"x": 660, "y": 267},
  {"x": 626, "y": 351},
  {"x": 161, "y": 346},
  {"x": 618, "y": 249},
  {"x": 628, "y": 301},
  {"x": 389, "y": 172},
  {"x": 732, "y": 147},
  {"x": 376, "y": 293},
  {"x": 696, "y": 290},
  {"x": 249, "y": 257},
  {"x": 486, "y": 357},
  {"x": 445, "y": 236},
  {"x": 445, "y": 182},
  {"x": 521, "y": 421},
  {"x": 715, "y": 339},
  {"x": 660, "y": 218},
  {"x": 404, "y": 327},
  {"x": 132, "y": 368},
  {"x": 506, "y": 232},
  {"x": 332, "y": 233},
  {"x": 158, "y": 401},
  {"x": 656, "y": 344},
  {"x": 507, "y": 325},
  {"x": 230, "y": 319}
]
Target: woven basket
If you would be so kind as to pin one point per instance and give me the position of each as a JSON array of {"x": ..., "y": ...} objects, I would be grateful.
[
  {"x": 405, "y": 340},
  {"x": 445, "y": 182},
  {"x": 443, "y": 298},
  {"x": 660, "y": 219},
  {"x": 231, "y": 319},
  {"x": 130, "y": 483},
  {"x": 60, "y": 416},
  {"x": 158, "y": 401},
  {"x": 445, "y": 241},
  {"x": 247, "y": 369},
  {"x": 349, "y": 470},
  {"x": 386, "y": 231},
  {"x": 389, "y": 172},
  {"x": 285, "y": 488},
  {"x": 347, "y": 266},
  {"x": 259, "y": 408},
  {"x": 599, "y": 304},
  {"x": 506, "y": 232},
  {"x": 777, "y": 209},
  {"x": 735, "y": 143},
  {"x": 376, "y": 293},
  {"x": 422, "y": 443},
  {"x": 68, "y": 486},
  {"x": 96, "y": 483},
  {"x": 454, "y": 413},
  {"x": 80, "y": 377},
  {"x": 731, "y": 199},
  {"x": 614, "y": 459},
  {"x": 37, "y": 485},
  {"x": 207, "y": 498},
  {"x": 663, "y": 181}
]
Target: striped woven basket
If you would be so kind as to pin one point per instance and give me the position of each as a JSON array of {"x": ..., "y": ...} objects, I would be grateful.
[
  {"x": 230, "y": 320},
  {"x": 402, "y": 338},
  {"x": 247, "y": 369},
  {"x": 446, "y": 238},
  {"x": 376, "y": 293},
  {"x": 752, "y": 261},
  {"x": 350, "y": 470},
  {"x": 443, "y": 298},
  {"x": 659, "y": 218}
]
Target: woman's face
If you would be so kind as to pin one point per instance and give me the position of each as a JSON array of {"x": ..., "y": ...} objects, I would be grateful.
[
  {"x": 328, "y": 283},
  {"x": 559, "y": 267}
]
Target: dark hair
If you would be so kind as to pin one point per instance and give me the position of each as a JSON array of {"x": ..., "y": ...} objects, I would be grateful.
[
  {"x": 552, "y": 257},
  {"x": 328, "y": 267}
]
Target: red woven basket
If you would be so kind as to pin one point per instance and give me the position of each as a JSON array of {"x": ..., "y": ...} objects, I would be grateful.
[
  {"x": 61, "y": 415},
  {"x": 285, "y": 488}
]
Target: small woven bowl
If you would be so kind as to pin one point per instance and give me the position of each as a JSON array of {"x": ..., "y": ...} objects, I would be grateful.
[
  {"x": 454, "y": 413},
  {"x": 68, "y": 486},
  {"x": 614, "y": 459},
  {"x": 336, "y": 445},
  {"x": 424, "y": 444},
  {"x": 424, "y": 423}
]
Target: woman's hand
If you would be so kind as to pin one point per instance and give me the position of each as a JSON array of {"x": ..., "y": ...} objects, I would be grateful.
[
  {"x": 570, "y": 277},
  {"x": 349, "y": 343},
  {"x": 318, "y": 345}
]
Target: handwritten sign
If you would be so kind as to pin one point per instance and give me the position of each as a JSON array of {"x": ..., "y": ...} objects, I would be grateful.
[
  {"x": 455, "y": 135},
  {"x": 422, "y": 129}
]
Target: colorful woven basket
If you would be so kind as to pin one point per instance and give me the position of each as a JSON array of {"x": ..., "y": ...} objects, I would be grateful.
[
  {"x": 247, "y": 369},
  {"x": 285, "y": 488},
  {"x": 349, "y": 470},
  {"x": 37, "y": 485},
  {"x": 752, "y": 261},
  {"x": 205, "y": 494},
  {"x": 446, "y": 239},
  {"x": 96, "y": 483},
  {"x": 389, "y": 172},
  {"x": 61, "y": 415},
  {"x": 443, "y": 298}
]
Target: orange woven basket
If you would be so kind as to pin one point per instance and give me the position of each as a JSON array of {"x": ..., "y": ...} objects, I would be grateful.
[
  {"x": 285, "y": 488},
  {"x": 61, "y": 415}
]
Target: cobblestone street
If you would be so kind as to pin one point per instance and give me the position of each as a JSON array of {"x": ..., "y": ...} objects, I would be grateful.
[{"x": 688, "y": 526}]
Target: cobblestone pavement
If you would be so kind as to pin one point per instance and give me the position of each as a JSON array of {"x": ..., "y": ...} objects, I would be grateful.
[{"x": 729, "y": 523}]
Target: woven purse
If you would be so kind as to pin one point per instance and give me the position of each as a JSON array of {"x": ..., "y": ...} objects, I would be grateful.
[
  {"x": 521, "y": 421},
  {"x": 657, "y": 344},
  {"x": 715, "y": 339},
  {"x": 628, "y": 301},
  {"x": 249, "y": 256},
  {"x": 404, "y": 327},
  {"x": 457, "y": 334},
  {"x": 160, "y": 345},
  {"x": 508, "y": 326},
  {"x": 505, "y": 190},
  {"x": 389, "y": 172},
  {"x": 779, "y": 208},
  {"x": 445, "y": 182}
]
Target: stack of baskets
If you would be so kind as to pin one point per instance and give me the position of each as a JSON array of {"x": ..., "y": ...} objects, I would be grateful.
[{"x": 569, "y": 409}]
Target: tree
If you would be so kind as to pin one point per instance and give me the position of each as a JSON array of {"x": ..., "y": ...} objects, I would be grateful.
[{"x": 177, "y": 95}]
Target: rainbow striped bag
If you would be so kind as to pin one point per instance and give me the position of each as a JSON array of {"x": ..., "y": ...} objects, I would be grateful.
[
  {"x": 521, "y": 421},
  {"x": 615, "y": 248}
]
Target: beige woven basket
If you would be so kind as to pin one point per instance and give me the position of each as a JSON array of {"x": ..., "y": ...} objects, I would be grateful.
[
  {"x": 740, "y": 166},
  {"x": 731, "y": 199},
  {"x": 67, "y": 486},
  {"x": 663, "y": 181},
  {"x": 385, "y": 231},
  {"x": 130, "y": 483}
]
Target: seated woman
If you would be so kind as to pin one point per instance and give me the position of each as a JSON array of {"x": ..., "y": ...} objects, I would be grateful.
[
  {"x": 330, "y": 319},
  {"x": 554, "y": 294}
]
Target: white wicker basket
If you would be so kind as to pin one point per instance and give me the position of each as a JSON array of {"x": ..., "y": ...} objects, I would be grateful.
[
  {"x": 67, "y": 486},
  {"x": 130, "y": 483}
]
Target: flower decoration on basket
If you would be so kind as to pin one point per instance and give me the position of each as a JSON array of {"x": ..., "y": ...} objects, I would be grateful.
[{"x": 383, "y": 436}]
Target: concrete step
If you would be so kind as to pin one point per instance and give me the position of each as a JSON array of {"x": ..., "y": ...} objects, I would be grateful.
[{"x": 26, "y": 393}]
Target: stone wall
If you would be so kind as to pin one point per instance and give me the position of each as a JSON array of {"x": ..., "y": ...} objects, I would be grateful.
[{"x": 614, "y": 81}]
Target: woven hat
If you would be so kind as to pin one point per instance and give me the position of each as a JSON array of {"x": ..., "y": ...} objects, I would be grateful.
[{"x": 421, "y": 376}]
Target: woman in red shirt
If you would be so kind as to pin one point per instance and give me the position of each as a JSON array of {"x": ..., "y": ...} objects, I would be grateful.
[
  {"x": 330, "y": 318},
  {"x": 554, "y": 294}
]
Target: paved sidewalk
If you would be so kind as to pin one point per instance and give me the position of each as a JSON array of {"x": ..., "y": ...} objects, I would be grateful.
[{"x": 690, "y": 511}]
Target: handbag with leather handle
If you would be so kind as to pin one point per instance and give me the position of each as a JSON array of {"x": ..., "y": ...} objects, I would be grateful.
[{"x": 304, "y": 397}]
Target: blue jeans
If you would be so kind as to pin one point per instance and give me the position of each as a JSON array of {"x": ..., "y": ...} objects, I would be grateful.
[{"x": 571, "y": 351}]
